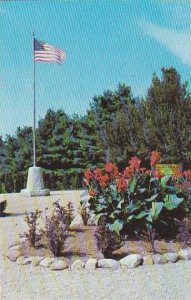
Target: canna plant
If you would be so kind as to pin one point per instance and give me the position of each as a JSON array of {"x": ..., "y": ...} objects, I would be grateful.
[{"x": 136, "y": 199}]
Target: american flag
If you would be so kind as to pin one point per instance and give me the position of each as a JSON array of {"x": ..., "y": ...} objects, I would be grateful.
[{"x": 47, "y": 53}]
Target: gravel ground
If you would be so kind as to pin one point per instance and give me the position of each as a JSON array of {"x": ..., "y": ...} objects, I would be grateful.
[{"x": 159, "y": 282}]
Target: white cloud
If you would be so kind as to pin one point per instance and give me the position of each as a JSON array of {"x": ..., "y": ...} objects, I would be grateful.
[{"x": 178, "y": 42}]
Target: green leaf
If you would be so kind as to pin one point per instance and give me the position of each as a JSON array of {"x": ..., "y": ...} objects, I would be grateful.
[
  {"x": 96, "y": 217},
  {"x": 164, "y": 180},
  {"x": 156, "y": 209},
  {"x": 152, "y": 198},
  {"x": 172, "y": 201},
  {"x": 132, "y": 184},
  {"x": 149, "y": 217},
  {"x": 116, "y": 226},
  {"x": 119, "y": 205},
  {"x": 132, "y": 207},
  {"x": 141, "y": 215}
]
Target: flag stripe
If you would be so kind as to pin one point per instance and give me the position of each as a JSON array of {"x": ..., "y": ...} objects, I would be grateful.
[{"x": 47, "y": 53}]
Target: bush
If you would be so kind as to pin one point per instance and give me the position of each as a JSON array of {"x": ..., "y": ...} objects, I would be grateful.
[
  {"x": 84, "y": 213},
  {"x": 33, "y": 234},
  {"x": 55, "y": 232},
  {"x": 3, "y": 205},
  {"x": 57, "y": 226},
  {"x": 107, "y": 240}
]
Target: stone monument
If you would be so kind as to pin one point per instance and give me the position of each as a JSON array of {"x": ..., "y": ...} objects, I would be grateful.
[{"x": 35, "y": 185}]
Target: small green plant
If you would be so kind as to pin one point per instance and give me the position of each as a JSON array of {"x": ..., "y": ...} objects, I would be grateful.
[
  {"x": 3, "y": 205},
  {"x": 84, "y": 213},
  {"x": 33, "y": 234},
  {"x": 107, "y": 240}
]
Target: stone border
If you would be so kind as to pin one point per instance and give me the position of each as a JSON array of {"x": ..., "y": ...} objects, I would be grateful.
[{"x": 130, "y": 261}]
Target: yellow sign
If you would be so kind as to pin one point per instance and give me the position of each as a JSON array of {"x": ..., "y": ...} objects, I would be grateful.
[{"x": 167, "y": 169}]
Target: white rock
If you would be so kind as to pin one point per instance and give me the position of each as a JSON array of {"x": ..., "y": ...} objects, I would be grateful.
[
  {"x": 91, "y": 264},
  {"x": 159, "y": 259},
  {"x": 27, "y": 260},
  {"x": 16, "y": 247},
  {"x": 108, "y": 263},
  {"x": 185, "y": 254},
  {"x": 46, "y": 262},
  {"x": 58, "y": 264},
  {"x": 20, "y": 260},
  {"x": 13, "y": 255},
  {"x": 131, "y": 261},
  {"x": 171, "y": 257},
  {"x": 77, "y": 265}
]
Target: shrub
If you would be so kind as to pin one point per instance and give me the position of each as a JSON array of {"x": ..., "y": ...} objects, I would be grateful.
[
  {"x": 64, "y": 214},
  {"x": 3, "y": 205},
  {"x": 57, "y": 226},
  {"x": 33, "y": 234},
  {"x": 184, "y": 231},
  {"x": 107, "y": 240},
  {"x": 55, "y": 232},
  {"x": 84, "y": 213}
]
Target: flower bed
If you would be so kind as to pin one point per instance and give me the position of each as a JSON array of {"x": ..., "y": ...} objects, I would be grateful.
[{"x": 138, "y": 203}]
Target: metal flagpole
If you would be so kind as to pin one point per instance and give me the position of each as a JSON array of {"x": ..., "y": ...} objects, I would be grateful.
[{"x": 34, "y": 105}]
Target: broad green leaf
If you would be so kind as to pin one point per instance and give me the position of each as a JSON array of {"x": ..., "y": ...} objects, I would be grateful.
[
  {"x": 132, "y": 207},
  {"x": 116, "y": 226},
  {"x": 95, "y": 217},
  {"x": 141, "y": 215},
  {"x": 164, "y": 180},
  {"x": 172, "y": 201},
  {"x": 156, "y": 209},
  {"x": 119, "y": 205},
  {"x": 132, "y": 184},
  {"x": 152, "y": 198},
  {"x": 149, "y": 217},
  {"x": 114, "y": 214}
]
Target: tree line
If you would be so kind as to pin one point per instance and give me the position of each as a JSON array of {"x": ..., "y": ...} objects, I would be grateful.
[{"x": 117, "y": 125}]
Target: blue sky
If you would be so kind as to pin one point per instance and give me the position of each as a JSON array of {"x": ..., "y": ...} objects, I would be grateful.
[{"x": 106, "y": 42}]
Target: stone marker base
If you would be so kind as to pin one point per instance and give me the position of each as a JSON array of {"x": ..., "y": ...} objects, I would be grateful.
[
  {"x": 45, "y": 192},
  {"x": 35, "y": 185}
]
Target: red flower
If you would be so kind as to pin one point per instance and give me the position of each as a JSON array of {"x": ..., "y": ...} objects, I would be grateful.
[
  {"x": 135, "y": 162},
  {"x": 148, "y": 172},
  {"x": 92, "y": 192},
  {"x": 187, "y": 174},
  {"x": 88, "y": 175},
  {"x": 104, "y": 180},
  {"x": 178, "y": 173},
  {"x": 155, "y": 157},
  {"x": 109, "y": 167},
  {"x": 157, "y": 174},
  {"x": 121, "y": 184},
  {"x": 115, "y": 171},
  {"x": 112, "y": 169},
  {"x": 128, "y": 172},
  {"x": 97, "y": 173}
]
